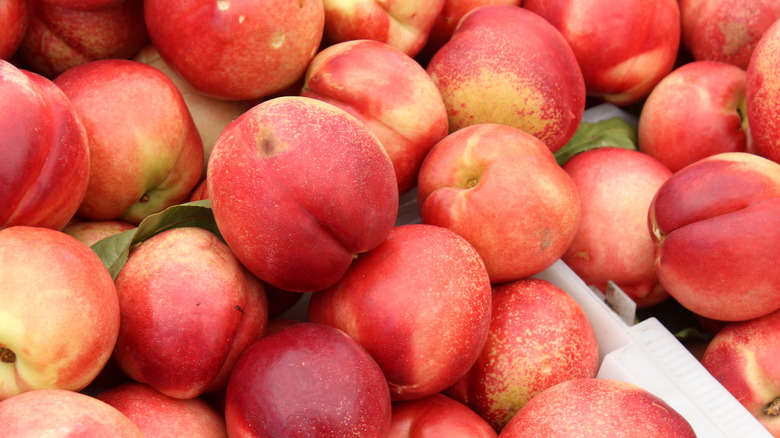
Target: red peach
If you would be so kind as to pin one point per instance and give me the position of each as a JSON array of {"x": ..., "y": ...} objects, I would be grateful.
[
  {"x": 59, "y": 311},
  {"x": 236, "y": 49},
  {"x": 583, "y": 408},
  {"x": 716, "y": 225},
  {"x": 45, "y": 150},
  {"x": 307, "y": 380},
  {"x": 623, "y": 49},
  {"x": 696, "y": 111},
  {"x": 745, "y": 358},
  {"x": 188, "y": 310},
  {"x": 437, "y": 416},
  {"x": 156, "y": 414},
  {"x": 616, "y": 187},
  {"x": 762, "y": 91},
  {"x": 428, "y": 294},
  {"x": 298, "y": 187}
]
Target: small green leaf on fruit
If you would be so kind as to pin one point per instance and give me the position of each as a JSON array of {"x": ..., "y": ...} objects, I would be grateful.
[
  {"x": 613, "y": 132},
  {"x": 114, "y": 250}
]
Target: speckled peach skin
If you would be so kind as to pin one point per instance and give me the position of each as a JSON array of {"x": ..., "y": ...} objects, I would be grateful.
[{"x": 762, "y": 91}]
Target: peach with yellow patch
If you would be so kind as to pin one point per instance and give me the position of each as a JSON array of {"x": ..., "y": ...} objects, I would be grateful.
[
  {"x": 508, "y": 65},
  {"x": 725, "y": 30},
  {"x": 539, "y": 336}
]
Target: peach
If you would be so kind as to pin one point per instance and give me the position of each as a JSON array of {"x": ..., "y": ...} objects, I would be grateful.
[
  {"x": 156, "y": 414},
  {"x": 591, "y": 407},
  {"x": 238, "y": 49},
  {"x": 145, "y": 151},
  {"x": 623, "y": 49},
  {"x": 307, "y": 380},
  {"x": 539, "y": 336},
  {"x": 507, "y": 65},
  {"x": 60, "y": 37},
  {"x": 437, "y": 416},
  {"x": 716, "y": 226},
  {"x": 188, "y": 310},
  {"x": 63, "y": 413},
  {"x": 744, "y": 356},
  {"x": 45, "y": 151},
  {"x": 91, "y": 232},
  {"x": 298, "y": 187},
  {"x": 762, "y": 90},
  {"x": 389, "y": 92},
  {"x": 616, "y": 187},
  {"x": 501, "y": 189},
  {"x": 403, "y": 24},
  {"x": 428, "y": 294},
  {"x": 59, "y": 312},
  {"x": 696, "y": 111},
  {"x": 725, "y": 30},
  {"x": 15, "y": 16}
]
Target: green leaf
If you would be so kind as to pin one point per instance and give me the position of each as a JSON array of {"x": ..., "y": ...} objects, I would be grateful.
[
  {"x": 114, "y": 250},
  {"x": 613, "y": 132}
]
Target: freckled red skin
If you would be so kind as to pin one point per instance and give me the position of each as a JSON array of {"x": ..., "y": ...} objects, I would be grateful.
[
  {"x": 188, "y": 310},
  {"x": 597, "y": 407},
  {"x": 45, "y": 165},
  {"x": 762, "y": 91},
  {"x": 604, "y": 35},
  {"x": 388, "y": 91},
  {"x": 297, "y": 187},
  {"x": 539, "y": 336},
  {"x": 745, "y": 358},
  {"x": 505, "y": 64},
  {"x": 716, "y": 225},
  {"x": 437, "y": 416},
  {"x": 428, "y": 295},
  {"x": 693, "y": 113},
  {"x": 59, "y": 37},
  {"x": 725, "y": 30},
  {"x": 307, "y": 380},
  {"x": 253, "y": 52}
]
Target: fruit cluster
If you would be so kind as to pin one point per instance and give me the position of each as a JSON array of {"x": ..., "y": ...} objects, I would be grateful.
[{"x": 176, "y": 176}]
